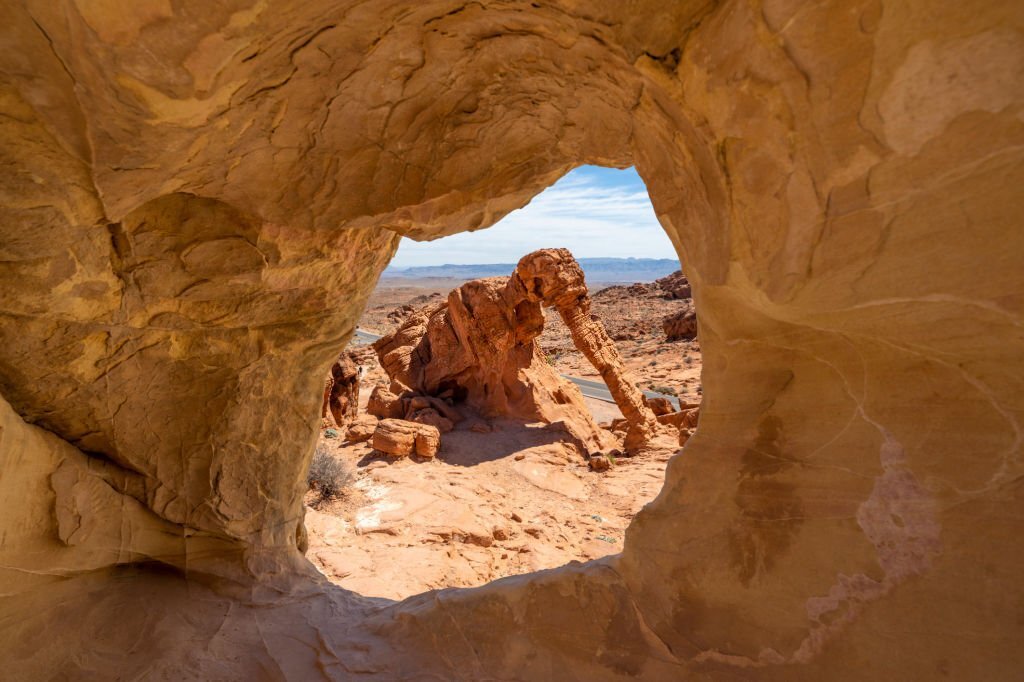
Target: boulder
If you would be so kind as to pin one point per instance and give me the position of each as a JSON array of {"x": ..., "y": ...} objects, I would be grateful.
[
  {"x": 421, "y": 402},
  {"x": 660, "y": 406},
  {"x": 401, "y": 438},
  {"x": 361, "y": 428},
  {"x": 683, "y": 419},
  {"x": 385, "y": 404}
]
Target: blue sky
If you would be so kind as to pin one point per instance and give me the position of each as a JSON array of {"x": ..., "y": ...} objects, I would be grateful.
[{"x": 594, "y": 212}]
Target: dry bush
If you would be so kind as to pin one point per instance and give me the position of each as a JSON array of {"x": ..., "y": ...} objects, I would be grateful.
[{"x": 328, "y": 476}]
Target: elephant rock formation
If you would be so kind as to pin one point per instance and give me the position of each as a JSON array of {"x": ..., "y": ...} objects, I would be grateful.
[{"x": 479, "y": 347}]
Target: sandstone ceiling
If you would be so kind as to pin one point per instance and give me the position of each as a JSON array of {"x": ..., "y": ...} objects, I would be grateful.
[{"x": 197, "y": 198}]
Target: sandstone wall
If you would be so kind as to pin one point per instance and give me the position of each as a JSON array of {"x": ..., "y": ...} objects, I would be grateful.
[{"x": 197, "y": 198}]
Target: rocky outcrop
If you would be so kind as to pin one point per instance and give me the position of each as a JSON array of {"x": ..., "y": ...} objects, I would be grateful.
[
  {"x": 674, "y": 286},
  {"x": 479, "y": 348},
  {"x": 553, "y": 278},
  {"x": 341, "y": 391},
  {"x": 680, "y": 326},
  {"x": 197, "y": 197}
]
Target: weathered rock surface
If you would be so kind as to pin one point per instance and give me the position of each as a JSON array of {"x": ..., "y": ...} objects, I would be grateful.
[
  {"x": 385, "y": 404},
  {"x": 429, "y": 415},
  {"x": 480, "y": 346},
  {"x": 197, "y": 197},
  {"x": 401, "y": 438},
  {"x": 361, "y": 428},
  {"x": 674, "y": 286},
  {"x": 554, "y": 278},
  {"x": 341, "y": 391},
  {"x": 681, "y": 325}
]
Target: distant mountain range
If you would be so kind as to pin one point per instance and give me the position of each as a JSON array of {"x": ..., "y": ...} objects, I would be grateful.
[{"x": 597, "y": 270}]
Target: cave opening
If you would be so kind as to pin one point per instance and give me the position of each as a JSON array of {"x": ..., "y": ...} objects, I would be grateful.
[
  {"x": 199, "y": 197},
  {"x": 531, "y": 471}
]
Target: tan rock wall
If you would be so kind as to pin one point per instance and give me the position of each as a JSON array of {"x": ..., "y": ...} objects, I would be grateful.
[{"x": 198, "y": 197}]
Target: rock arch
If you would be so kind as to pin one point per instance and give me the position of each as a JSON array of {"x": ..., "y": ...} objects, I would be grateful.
[{"x": 197, "y": 201}]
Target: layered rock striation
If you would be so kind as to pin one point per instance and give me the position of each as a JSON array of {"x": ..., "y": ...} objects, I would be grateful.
[{"x": 197, "y": 198}]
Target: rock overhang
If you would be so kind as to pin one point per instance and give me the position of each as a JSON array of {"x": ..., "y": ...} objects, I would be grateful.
[{"x": 186, "y": 189}]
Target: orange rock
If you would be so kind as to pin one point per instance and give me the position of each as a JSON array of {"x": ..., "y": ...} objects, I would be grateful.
[
  {"x": 401, "y": 438},
  {"x": 361, "y": 428},
  {"x": 480, "y": 345},
  {"x": 433, "y": 418},
  {"x": 341, "y": 391},
  {"x": 660, "y": 406},
  {"x": 682, "y": 325},
  {"x": 385, "y": 404}
]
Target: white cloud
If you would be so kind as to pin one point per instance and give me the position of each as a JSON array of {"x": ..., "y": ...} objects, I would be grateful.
[{"x": 592, "y": 212}]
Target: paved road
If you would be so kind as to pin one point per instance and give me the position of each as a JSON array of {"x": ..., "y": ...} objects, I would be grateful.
[
  {"x": 363, "y": 338},
  {"x": 588, "y": 387}
]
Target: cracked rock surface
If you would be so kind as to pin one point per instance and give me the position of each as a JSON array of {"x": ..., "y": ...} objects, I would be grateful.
[{"x": 196, "y": 199}]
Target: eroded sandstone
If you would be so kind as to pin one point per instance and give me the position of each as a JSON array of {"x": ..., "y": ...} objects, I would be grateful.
[
  {"x": 479, "y": 348},
  {"x": 341, "y": 391},
  {"x": 198, "y": 197}
]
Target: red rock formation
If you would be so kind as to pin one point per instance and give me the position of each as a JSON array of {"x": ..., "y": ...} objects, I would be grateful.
[
  {"x": 186, "y": 192},
  {"x": 384, "y": 404},
  {"x": 341, "y": 391},
  {"x": 361, "y": 428},
  {"x": 400, "y": 438},
  {"x": 674, "y": 286},
  {"x": 554, "y": 278},
  {"x": 480, "y": 347},
  {"x": 681, "y": 325}
]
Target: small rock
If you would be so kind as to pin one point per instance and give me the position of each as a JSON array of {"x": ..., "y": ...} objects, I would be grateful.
[
  {"x": 517, "y": 518},
  {"x": 479, "y": 539},
  {"x": 660, "y": 406},
  {"x": 533, "y": 531},
  {"x": 599, "y": 463},
  {"x": 500, "y": 534},
  {"x": 520, "y": 457},
  {"x": 480, "y": 427}
]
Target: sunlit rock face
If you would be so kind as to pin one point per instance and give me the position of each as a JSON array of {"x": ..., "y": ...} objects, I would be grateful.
[{"x": 198, "y": 197}]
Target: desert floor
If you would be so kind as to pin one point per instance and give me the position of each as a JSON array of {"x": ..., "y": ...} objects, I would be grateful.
[{"x": 496, "y": 504}]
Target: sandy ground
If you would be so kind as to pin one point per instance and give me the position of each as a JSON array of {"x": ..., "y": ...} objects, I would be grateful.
[
  {"x": 489, "y": 506},
  {"x": 494, "y": 504}
]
